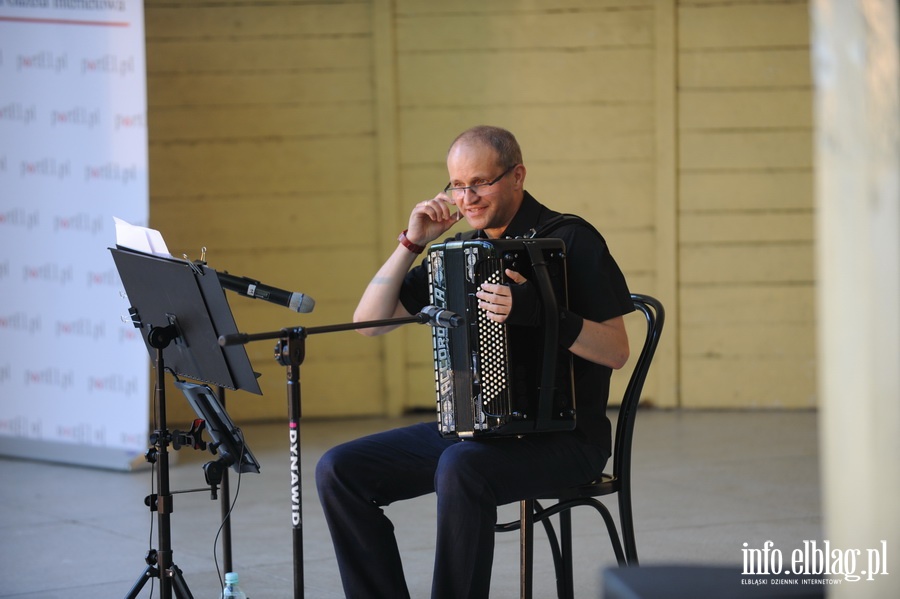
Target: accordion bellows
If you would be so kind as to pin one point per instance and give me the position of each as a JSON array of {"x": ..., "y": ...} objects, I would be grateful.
[{"x": 493, "y": 378}]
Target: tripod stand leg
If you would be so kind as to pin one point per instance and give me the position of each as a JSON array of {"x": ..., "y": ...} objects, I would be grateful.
[
  {"x": 178, "y": 583},
  {"x": 149, "y": 572},
  {"x": 159, "y": 562},
  {"x": 181, "y": 588}
]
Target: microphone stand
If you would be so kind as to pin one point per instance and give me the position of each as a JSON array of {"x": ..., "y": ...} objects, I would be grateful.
[
  {"x": 225, "y": 508},
  {"x": 290, "y": 351}
]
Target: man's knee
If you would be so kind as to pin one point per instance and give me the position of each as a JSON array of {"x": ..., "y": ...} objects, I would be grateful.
[
  {"x": 460, "y": 470},
  {"x": 329, "y": 467}
]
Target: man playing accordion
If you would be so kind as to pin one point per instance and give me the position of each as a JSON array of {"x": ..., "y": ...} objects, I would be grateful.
[{"x": 472, "y": 477}]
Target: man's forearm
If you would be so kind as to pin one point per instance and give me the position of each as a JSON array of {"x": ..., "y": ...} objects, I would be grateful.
[
  {"x": 381, "y": 299},
  {"x": 603, "y": 342}
]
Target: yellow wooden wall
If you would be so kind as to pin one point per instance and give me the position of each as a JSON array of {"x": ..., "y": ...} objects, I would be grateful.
[
  {"x": 262, "y": 150},
  {"x": 745, "y": 220},
  {"x": 292, "y": 138}
]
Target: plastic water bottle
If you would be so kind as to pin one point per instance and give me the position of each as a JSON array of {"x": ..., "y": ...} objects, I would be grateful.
[{"x": 232, "y": 590}]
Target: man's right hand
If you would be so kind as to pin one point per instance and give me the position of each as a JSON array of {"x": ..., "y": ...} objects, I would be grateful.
[{"x": 431, "y": 219}]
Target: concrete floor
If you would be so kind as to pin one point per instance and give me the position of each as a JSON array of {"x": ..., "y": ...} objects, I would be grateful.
[{"x": 705, "y": 484}]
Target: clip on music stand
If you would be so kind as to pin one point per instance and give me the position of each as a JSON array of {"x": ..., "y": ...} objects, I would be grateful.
[
  {"x": 224, "y": 434},
  {"x": 182, "y": 309}
]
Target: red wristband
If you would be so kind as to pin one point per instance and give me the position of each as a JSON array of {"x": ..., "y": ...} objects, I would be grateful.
[{"x": 405, "y": 242}]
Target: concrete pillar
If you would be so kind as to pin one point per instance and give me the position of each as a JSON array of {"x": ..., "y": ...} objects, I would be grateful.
[{"x": 857, "y": 163}]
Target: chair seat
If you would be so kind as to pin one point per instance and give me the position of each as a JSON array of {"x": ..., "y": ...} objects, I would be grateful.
[{"x": 607, "y": 484}]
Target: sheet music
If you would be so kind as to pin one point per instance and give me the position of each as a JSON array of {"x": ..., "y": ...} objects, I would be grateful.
[{"x": 139, "y": 238}]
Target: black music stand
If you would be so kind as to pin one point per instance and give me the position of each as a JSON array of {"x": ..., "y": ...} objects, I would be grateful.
[{"x": 182, "y": 309}]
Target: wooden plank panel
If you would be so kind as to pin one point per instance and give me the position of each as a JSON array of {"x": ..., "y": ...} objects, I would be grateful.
[
  {"x": 419, "y": 350},
  {"x": 546, "y": 133},
  {"x": 634, "y": 250},
  {"x": 743, "y": 69},
  {"x": 333, "y": 389},
  {"x": 590, "y": 76},
  {"x": 751, "y": 108},
  {"x": 636, "y": 325},
  {"x": 310, "y": 270},
  {"x": 336, "y": 290},
  {"x": 344, "y": 347},
  {"x": 607, "y": 207},
  {"x": 665, "y": 203},
  {"x": 752, "y": 190},
  {"x": 420, "y": 387},
  {"x": 256, "y": 168},
  {"x": 258, "y": 89},
  {"x": 741, "y": 383},
  {"x": 276, "y": 56},
  {"x": 743, "y": 25},
  {"x": 746, "y": 150},
  {"x": 742, "y": 264},
  {"x": 212, "y": 19},
  {"x": 744, "y": 227},
  {"x": 222, "y": 123},
  {"x": 646, "y": 282},
  {"x": 334, "y": 277},
  {"x": 260, "y": 221},
  {"x": 748, "y": 304},
  {"x": 505, "y": 8},
  {"x": 529, "y": 30},
  {"x": 759, "y": 340},
  {"x": 613, "y": 195}
]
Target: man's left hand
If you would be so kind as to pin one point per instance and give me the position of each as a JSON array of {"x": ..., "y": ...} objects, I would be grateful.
[{"x": 497, "y": 300}]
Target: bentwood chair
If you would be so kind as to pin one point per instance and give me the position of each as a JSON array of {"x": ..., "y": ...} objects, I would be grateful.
[{"x": 619, "y": 482}]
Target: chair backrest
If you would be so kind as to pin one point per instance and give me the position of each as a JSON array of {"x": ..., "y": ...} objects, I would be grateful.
[{"x": 655, "y": 315}]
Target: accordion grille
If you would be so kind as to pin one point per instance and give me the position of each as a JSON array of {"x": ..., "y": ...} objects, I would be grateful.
[{"x": 492, "y": 350}]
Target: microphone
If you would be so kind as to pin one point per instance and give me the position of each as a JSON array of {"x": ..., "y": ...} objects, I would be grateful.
[
  {"x": 439, "y": 317},
  {"x": 297, "y": 302}
]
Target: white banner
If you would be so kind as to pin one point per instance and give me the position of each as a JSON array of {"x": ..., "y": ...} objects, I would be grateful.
[{"x": 74, "y": 379}]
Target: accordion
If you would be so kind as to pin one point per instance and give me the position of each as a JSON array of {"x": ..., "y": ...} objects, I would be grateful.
[{"x": 492, "y": 378}]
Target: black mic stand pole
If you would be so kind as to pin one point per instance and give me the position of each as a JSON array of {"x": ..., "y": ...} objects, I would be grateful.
[
  {"x": 225, "y": 504},
  {"x": 290, "y": 351}
]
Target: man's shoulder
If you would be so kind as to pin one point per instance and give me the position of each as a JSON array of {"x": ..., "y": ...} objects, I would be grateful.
[{"x": 570, "y": 227}]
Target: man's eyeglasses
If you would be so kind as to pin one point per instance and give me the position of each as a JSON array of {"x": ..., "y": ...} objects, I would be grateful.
[{"x": 479, "y": 189}]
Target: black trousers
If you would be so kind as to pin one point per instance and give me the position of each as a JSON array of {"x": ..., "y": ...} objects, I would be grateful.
[{"x": 471, "y": 478}]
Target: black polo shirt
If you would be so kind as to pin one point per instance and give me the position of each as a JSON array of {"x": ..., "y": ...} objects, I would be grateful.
[{"x": 596, "y": 291}]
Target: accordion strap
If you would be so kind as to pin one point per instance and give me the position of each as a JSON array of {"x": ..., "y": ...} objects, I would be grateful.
[
  {"x": 560, "y": 220},
  {"x": 551, "y": 335}
]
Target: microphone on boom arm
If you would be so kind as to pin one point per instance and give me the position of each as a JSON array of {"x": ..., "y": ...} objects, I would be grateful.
[
  {"x": 439, "y": 317},
  {"x": 298, "y": 302}
]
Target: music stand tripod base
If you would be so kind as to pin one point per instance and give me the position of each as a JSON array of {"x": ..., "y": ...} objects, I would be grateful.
[{"x": 179, "y": 585}]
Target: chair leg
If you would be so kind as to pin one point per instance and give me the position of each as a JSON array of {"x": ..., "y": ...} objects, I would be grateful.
[
  {"x": 566, "y": 583},
  {"x": 626, "y": 517},
  {"x": 526, "y": 547},
  {"x": 540, "y": 515}
]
